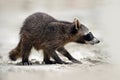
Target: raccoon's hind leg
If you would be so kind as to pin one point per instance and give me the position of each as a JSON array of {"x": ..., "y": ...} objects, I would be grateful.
[
  {"x": 64, "y": 52},
  {"x": 26, "y": 47}
]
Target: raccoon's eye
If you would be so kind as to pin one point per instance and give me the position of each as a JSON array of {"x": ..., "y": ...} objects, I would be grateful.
[{"x": 88, "y": 37}]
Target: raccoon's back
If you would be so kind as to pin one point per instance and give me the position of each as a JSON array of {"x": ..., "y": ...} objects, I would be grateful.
[{"x": 36, "y": 22}]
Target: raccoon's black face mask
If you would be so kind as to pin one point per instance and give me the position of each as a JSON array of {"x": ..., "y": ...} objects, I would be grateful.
[{"x": 88, "y": 39}]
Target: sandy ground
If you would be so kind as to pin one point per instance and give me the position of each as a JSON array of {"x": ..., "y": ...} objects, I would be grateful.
[{"x": 61, "y": 72}]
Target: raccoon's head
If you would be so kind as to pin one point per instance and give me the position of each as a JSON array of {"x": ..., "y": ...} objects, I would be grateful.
[{"x": 82, "y": 34}]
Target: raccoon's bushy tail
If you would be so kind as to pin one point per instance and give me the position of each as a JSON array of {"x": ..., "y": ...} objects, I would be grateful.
[{"x": 15, "y": 53}]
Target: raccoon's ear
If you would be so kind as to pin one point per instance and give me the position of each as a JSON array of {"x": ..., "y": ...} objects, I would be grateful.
[
  {"x": 76, "y": 26},
  {"x": 76, "y": 23}
]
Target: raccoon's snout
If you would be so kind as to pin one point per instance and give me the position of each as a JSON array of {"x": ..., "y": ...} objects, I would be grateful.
[
  {"x": 98, "y": 41},
  {"x": 94, "y": 41},
  {"x": 90, "y": 39}
]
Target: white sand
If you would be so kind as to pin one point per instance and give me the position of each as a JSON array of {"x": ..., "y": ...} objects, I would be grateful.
[{"x": 62, "y": 72}]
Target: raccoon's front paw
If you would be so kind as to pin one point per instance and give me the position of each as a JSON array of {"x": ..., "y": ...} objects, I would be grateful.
[
  {"x": 49, "y": 62},
  {"x": 63, "y": 62},
  {"x": 26, "y": 63},
  {"x": 76, "y": 61}
]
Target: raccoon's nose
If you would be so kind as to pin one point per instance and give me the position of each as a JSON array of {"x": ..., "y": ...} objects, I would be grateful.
[{"x": 98, "y": 41}]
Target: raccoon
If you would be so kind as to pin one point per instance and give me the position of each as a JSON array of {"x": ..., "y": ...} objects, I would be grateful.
[{"x": 43, "y": 31}]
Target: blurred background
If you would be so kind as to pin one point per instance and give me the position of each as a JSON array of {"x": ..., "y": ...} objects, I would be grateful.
[{"x": 100, "y": 16}]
